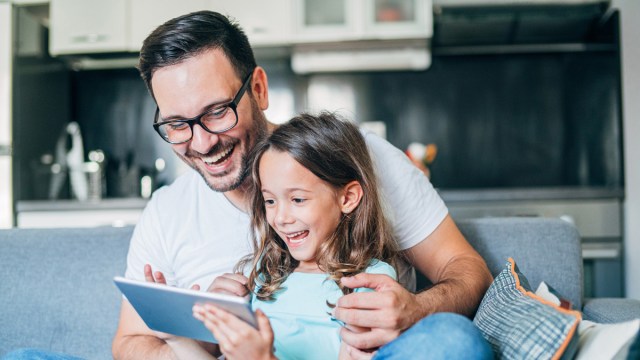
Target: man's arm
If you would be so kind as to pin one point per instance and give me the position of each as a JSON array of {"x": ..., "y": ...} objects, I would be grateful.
[
  {"x": 460, "y": 277},
  {"x": 459, "y": 274},
  {"x": 134, "y": 340}
]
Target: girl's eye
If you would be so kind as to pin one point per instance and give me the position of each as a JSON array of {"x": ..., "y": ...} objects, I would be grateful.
[
  {"x": 298, "y": 200},
  {"x": 269, "y": 202}
]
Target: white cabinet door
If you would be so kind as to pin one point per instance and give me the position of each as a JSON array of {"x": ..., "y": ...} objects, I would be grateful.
[
  {"x": 344, "y": 20},
  {"x": 328, "y": 20},
  {"x": 146, "y": 15},
  {"x": 388, "y": 19},
  {"x": 266, "y": 23},
  {"x": 87, "y": 26}
]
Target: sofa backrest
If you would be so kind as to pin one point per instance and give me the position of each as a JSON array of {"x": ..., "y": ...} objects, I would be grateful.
[
  {"x": 545, "y": 249},
  {"x": 57, "y": 293},
  {"x": 56, "y": 289}
]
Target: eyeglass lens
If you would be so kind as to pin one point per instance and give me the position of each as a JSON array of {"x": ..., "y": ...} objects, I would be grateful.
[{"x": 215, "y": 120}]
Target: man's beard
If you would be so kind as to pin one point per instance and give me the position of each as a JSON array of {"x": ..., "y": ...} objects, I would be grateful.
[{"x": 257, "y": 133}]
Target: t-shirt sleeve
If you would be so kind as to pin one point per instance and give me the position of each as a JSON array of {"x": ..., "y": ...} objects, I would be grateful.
[
  {"x": 379, "y": 267},
  {"x": 146, "y": 246},
  {"x": 412, "y": 206}
]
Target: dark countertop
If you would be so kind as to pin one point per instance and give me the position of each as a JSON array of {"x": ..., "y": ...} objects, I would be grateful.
[
  {"x": 449, "y": 197},
  {"x": 527, "y": 194}
]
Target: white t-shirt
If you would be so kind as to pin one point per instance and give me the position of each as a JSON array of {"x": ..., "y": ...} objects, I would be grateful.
[{"x": 194, "y": 234}]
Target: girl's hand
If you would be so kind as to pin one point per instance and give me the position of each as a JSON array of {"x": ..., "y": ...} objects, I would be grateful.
[
  {"x": 231, "y": 284},
  {"x": 236, "y": 338}
]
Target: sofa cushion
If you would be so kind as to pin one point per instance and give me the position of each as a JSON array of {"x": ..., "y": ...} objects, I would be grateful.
[
  {"x": 520, "y": 325},
  {"x": 547, "y": 250},
  {"x": 57, "y": 291}
]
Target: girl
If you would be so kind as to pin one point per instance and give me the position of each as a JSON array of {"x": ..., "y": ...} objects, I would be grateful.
[{"x": 317, "y": 217}]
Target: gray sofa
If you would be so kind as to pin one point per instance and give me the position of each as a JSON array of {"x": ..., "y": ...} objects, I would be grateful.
[{"x": 57, "y": 294}]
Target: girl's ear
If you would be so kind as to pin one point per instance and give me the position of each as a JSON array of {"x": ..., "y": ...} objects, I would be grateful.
[{"x": 351, "y": 196}]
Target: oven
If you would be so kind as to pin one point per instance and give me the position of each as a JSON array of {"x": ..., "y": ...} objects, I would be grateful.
[{"x": 596, "y": 213}]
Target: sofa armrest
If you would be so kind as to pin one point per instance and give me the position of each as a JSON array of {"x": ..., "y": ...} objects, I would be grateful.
[{"x": 611, "y": 310}]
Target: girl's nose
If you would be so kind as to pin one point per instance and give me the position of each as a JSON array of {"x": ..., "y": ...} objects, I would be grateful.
[{"x": 283, "y": 215}]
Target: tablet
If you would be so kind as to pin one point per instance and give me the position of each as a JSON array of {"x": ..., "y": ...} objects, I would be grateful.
[{"x": 169, "y": 309}]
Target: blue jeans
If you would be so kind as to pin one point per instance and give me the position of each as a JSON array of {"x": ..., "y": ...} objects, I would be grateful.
[
  {"x": 438, "y": 336},
  {"x": 35, "y": 354}
]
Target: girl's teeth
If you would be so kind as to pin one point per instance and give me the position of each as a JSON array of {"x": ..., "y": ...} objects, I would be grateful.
[{"x": 292, "y": 237}]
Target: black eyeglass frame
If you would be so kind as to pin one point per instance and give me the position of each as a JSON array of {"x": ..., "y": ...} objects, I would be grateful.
[{"x": 233, "y": 104}]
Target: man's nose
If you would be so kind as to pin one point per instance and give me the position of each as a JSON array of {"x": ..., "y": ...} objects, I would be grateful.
[{"x": 202, "y": 140}]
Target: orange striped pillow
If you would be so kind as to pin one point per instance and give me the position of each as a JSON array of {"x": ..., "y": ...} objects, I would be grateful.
[{"x": 519, "y": 324}]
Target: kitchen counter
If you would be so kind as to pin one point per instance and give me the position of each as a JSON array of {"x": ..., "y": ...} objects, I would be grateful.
[
  {"x": 74, "y": 205},
  {"x": 530, "y": 194},
  {"x": 73, "y": 213}
]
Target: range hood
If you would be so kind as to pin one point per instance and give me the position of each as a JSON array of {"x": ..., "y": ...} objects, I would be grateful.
[
  {"x": 361, "y": 56},
  {"x": 476, "y": 23}
]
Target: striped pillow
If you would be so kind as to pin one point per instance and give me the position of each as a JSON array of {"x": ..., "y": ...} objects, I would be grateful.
[{"x": 520, "y": 325}]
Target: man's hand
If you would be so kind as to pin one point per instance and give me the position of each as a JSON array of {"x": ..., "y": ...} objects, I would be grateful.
[
  {"x": 387, "y": 312},
  {"x": 230, "y": 284},
  {"x": 159, "y": 278}
]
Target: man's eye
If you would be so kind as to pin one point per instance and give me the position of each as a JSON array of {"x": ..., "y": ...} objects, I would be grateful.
[
  {"x": 178, "y": 125},
  {"x": 216, "y": 113}
]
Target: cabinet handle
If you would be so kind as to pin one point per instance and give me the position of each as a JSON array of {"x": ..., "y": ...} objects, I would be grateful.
[
  {"x": 259, "y": 30},
  {"x": 89, "y": 38}
]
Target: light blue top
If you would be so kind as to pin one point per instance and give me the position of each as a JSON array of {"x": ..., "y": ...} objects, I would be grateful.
[{"x": 300, "y": 316}]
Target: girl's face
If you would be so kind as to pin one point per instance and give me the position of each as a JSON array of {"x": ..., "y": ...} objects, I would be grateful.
[{"x": 302, "y": 209}]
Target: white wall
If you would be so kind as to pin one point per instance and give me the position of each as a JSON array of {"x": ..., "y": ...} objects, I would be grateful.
[
  {"x": 6, "y": 202},
  {"x": 630, "y": 31}
]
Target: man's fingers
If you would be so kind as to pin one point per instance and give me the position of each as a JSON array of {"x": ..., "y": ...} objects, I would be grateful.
[
  {"x": 372, "y": 281},
  {"x": 361, "y": 318},
  {"x": 368, "y": 340},
  {"x": 364, "y": 300},
  {"x": 357, "y": 354},
  {"x": 160, "y": 279},
  {"x": 148, "y": 273},
  {"x": 149, "y": 276}
]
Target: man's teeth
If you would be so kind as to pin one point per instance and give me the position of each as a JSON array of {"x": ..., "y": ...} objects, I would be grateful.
[{"x": 218, "y": 156}]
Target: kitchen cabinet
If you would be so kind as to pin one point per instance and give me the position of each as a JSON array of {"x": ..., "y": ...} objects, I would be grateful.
[
  {"x": 146, "y": 15},
  {"x": 266, "y": 23},
  {"x": 97, "y": 26},
  {"x": 345, "y": 20},
  {"x": 87, "y": 26}
]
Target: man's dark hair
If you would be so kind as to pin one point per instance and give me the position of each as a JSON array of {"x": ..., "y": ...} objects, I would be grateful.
[{"x": 191, "y": 34}]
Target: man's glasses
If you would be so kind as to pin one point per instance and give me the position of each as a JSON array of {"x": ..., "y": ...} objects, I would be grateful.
[{"x": 216, "y": 120}]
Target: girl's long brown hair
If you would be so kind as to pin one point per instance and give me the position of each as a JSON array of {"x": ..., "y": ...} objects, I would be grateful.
[{"x": 335, "y": 151}]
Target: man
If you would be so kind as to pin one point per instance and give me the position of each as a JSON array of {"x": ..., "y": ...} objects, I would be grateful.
[{"x": 202, "y": 74}]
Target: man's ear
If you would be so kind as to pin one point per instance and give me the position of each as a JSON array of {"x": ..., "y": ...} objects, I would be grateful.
[
  {"x": 260, "y": 88},
  {"x": 351, "y": 196}
]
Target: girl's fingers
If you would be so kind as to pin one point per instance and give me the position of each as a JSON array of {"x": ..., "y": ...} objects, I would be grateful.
[
  {"x": 213, "y": 326},
  {"x": 264, "y": 326},
  {"x": 227, "y": 323}
]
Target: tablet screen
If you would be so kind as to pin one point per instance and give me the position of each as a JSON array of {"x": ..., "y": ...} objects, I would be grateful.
[{"x": 169, "y": 309}]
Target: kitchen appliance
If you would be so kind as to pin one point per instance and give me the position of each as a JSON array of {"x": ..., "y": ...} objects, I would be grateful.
[{"x": 6, "y": 201}]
